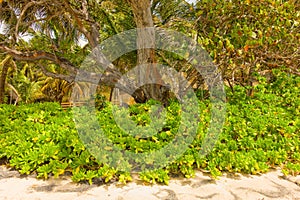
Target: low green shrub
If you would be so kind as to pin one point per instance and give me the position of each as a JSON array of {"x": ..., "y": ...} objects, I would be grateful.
[{"x": 260, "y": 132}]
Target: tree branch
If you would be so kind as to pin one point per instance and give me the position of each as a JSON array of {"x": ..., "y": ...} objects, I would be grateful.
[
  {"x": 40, "y": 55},
  {"x": 68, "y": 78},
  {"x": 92, "y": 35},
  {"x": 110, "y": 77}
]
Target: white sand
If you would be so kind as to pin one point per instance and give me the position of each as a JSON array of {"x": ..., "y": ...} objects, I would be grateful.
[{"x": 272, "y": 185}]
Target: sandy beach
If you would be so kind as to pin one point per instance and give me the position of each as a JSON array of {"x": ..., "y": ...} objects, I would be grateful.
[{"x": 272, "y": 185}]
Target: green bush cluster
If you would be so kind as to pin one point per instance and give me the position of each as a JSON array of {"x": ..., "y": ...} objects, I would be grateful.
[
  {"x": 261, "y": 132},
  {"x": 42, "y": 138},
  {"x": 247, "y": 36}
]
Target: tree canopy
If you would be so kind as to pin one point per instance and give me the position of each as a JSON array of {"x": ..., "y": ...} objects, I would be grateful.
[{"x": 242, "y": 37}]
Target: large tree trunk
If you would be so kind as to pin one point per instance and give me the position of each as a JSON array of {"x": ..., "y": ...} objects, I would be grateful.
[
  {"x": 146, "y": 56},
  {"x": 5, "y": 66}
]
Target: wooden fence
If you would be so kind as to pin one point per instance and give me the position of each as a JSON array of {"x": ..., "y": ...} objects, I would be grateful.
[{"x": 66, "y": 105}]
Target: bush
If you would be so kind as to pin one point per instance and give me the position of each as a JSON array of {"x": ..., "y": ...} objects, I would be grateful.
[
  {"x": 261, "y": 132},
  {"x": 248, "y": 36}
]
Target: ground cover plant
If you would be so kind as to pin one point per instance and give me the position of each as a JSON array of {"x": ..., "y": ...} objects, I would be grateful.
[{"x": 261, "y": 132}]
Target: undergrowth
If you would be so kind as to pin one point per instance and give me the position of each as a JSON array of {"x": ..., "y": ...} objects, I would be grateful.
[{"x": 261, "y": 132}]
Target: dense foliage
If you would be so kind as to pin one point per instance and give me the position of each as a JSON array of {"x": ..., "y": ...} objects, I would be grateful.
[
  {"x": 243, "y": 37},
  {"x": 249, "y": 40},
  {"x": 261, "y": 132},
  {"x": 250, "y": 36}
]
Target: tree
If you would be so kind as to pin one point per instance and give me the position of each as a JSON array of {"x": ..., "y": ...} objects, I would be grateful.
[
  {"x": 143, "y": 18},
  {"x": 57, "y": 26},
  {"x": 246, "y": 38},
  {"x": 4, "y": 65},
  {"x": 241, "y": 37}
]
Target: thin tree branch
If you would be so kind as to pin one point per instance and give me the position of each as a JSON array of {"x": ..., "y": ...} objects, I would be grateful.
[
  {"x": 68, "y": 78},
  {"x": 40, "y": 55},
  {"x": 92, "y": 35},
  {"x": 26, "y": 7}
]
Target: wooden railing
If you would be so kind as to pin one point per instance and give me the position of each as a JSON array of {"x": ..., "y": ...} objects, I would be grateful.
[{"x": 66, "y": 105}]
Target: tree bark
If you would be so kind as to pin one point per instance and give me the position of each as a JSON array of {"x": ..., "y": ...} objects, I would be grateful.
[
  {"x": 5, "y": 67},
  {"x": 146, "y": 56}
]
